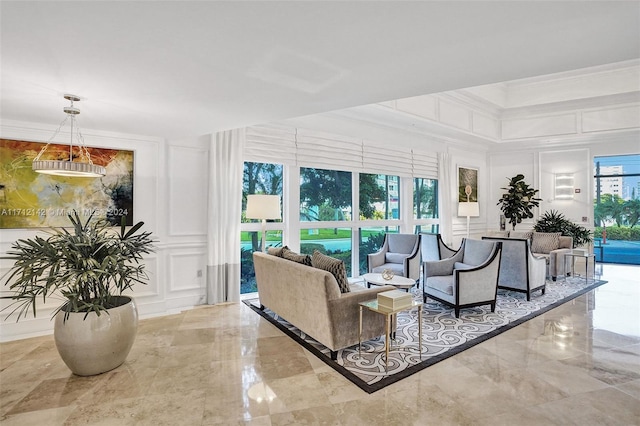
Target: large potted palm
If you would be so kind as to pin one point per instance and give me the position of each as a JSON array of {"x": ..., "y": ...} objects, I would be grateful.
[{"x": 90, "y": 265}]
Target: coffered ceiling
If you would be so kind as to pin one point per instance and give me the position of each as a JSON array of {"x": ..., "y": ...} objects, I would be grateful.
[{"x": 183, "y": 68}]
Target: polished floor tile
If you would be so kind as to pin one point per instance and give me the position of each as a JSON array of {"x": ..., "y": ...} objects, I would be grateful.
[{"x": 225, "y": 365}]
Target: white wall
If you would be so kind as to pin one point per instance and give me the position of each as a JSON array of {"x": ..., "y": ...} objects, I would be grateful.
[
  {"x": 170, "y": 192},
  {"x": 540, "y": 163}
]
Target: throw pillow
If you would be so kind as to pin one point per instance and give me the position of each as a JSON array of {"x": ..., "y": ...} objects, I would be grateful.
[
  {"x": 545, "y": 242},
  {"x": 525, "y": 235},
  {"x": 335, "y": 266},
  {"x": 276, "y": 251},
  {"x": 304, "y": 259}
]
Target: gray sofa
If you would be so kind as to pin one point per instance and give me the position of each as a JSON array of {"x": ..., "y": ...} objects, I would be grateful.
[
  {"x": 310, "y": 299},
  {"x": 520, "y": 269}
]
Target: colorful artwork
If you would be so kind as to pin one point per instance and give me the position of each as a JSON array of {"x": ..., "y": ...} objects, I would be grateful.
[
  {"x": 467, "y": 185},
  {"x": 29, "y": 199}
]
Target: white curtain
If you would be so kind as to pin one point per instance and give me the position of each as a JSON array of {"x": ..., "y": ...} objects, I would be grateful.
[
  {"x": 446, "y": 209},
  {"x": 225, "y": 208}
]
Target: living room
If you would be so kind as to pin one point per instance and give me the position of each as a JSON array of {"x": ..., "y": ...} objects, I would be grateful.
[{"x": 538, "y": 126}]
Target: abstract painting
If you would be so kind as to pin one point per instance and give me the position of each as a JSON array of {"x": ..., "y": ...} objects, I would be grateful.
[{"x": 32, "y": 200}]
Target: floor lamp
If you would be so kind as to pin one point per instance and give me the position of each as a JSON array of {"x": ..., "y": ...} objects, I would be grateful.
[
  {"x": 260, "y": 206},
  {"x": 468, "y": 209}
]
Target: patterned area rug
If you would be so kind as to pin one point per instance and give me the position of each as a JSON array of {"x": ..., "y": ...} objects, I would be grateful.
[{"x": 443, "y": 335}]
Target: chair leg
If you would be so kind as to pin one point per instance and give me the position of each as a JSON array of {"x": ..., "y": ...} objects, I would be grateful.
[
  {"x": 457, "y": 312},
  {"x": 493, "y": 307},
  {"x": 528, "y": 296},
  {"x": 553, "y": 278},
  {"x": 544, "y": 289},
  {"x": 334, "y": 355}
]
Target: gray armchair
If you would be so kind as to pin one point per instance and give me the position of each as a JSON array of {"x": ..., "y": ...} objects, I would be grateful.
[
  {"x": 468, "y": 278},
  {"x": 433, "y": 248},
  {"x": 520, "y": 269},
  {"x": 400, "y": 253}
]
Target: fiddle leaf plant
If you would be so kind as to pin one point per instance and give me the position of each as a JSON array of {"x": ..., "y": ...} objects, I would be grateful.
[
  {"x": 90, "y": 265},
  {"x": 519, "y": 200}
]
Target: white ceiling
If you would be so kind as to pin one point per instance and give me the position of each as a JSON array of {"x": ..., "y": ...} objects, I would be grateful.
[{"x": 182, "y": 69}]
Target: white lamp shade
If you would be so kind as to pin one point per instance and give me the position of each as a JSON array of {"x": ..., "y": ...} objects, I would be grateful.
[
  {"x": 469, "y": 209},
  {"x": 261, "y": 206}
]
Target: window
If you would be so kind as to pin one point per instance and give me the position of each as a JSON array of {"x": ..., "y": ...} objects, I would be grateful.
[
  {"x": 617, "y": 208},
  {"x": 334, "y": 242},
  {"x": 258, "y": 178},
  {"x": 379, "y": 197},
  {"x": 425, "y": 198},
  {"x": 371, "y": 239},
  {"x": 325, "y": 195}
]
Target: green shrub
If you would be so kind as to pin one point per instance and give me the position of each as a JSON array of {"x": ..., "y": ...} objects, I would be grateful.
[{"x": 619, "y": 233}]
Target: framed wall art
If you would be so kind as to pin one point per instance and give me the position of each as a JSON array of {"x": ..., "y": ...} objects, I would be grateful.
[
  {"x": 467, "y": 184},
  {"x": 32, "y": 200}
]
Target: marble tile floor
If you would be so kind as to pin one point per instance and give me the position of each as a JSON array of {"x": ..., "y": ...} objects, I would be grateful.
[{"x": 577, "y": 364}]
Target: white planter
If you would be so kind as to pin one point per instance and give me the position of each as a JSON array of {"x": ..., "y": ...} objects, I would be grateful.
[{"x": 98, "y": 343}]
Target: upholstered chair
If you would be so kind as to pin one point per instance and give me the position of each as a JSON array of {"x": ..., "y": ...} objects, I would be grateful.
[
  {"x": 433, "y": 248},
  {"x": 520, "y": 269},
  {"x": 468, "y": 278},
  {"x": 400, "y": 253}
]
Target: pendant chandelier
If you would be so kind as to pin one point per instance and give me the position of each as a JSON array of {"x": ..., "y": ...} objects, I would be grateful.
[{"x": 69, "y": 168}]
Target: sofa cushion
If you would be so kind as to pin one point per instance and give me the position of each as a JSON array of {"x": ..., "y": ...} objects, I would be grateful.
[
  {"x": 395, "y": 257},
  {"x": 545, "y": 242},
  {"x": 276, "y": 251},
  {"x": 304, "y": 259},
  {"x": 524, "y": 235},
  {"x": 335, "y": 266},
  {"x": 443, "y": 283}
]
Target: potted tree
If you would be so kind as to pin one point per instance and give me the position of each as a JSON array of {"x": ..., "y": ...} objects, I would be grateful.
[
  {"x": 519, "y": 200},
  {"x": 91, "y": 266}
]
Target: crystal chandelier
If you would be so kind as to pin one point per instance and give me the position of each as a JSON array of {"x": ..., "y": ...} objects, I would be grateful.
[{"x": 69, "y": 168}]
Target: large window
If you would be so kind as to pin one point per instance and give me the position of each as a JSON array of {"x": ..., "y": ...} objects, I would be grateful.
[
  {"x": 258, "y": 178},
  {"x": 379, "y": 196},
  {"x": 340, "y": 213},
  {"x": 425, "y": 198},
  {"x": 325, "y": 195},
  {"x": 370, "y": 241},
  {"x": 617, "y": 208}
]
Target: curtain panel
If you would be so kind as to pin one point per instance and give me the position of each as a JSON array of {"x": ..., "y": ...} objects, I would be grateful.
[
  {"x": 224, "y": 215},
  {"x": 444, "y": 196}
]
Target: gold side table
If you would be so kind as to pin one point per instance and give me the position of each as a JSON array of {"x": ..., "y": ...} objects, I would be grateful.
[{"x": 372, "y": 305}]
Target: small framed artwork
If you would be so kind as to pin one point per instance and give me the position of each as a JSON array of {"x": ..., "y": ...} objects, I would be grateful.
[{"x": 467, "y": 184}]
